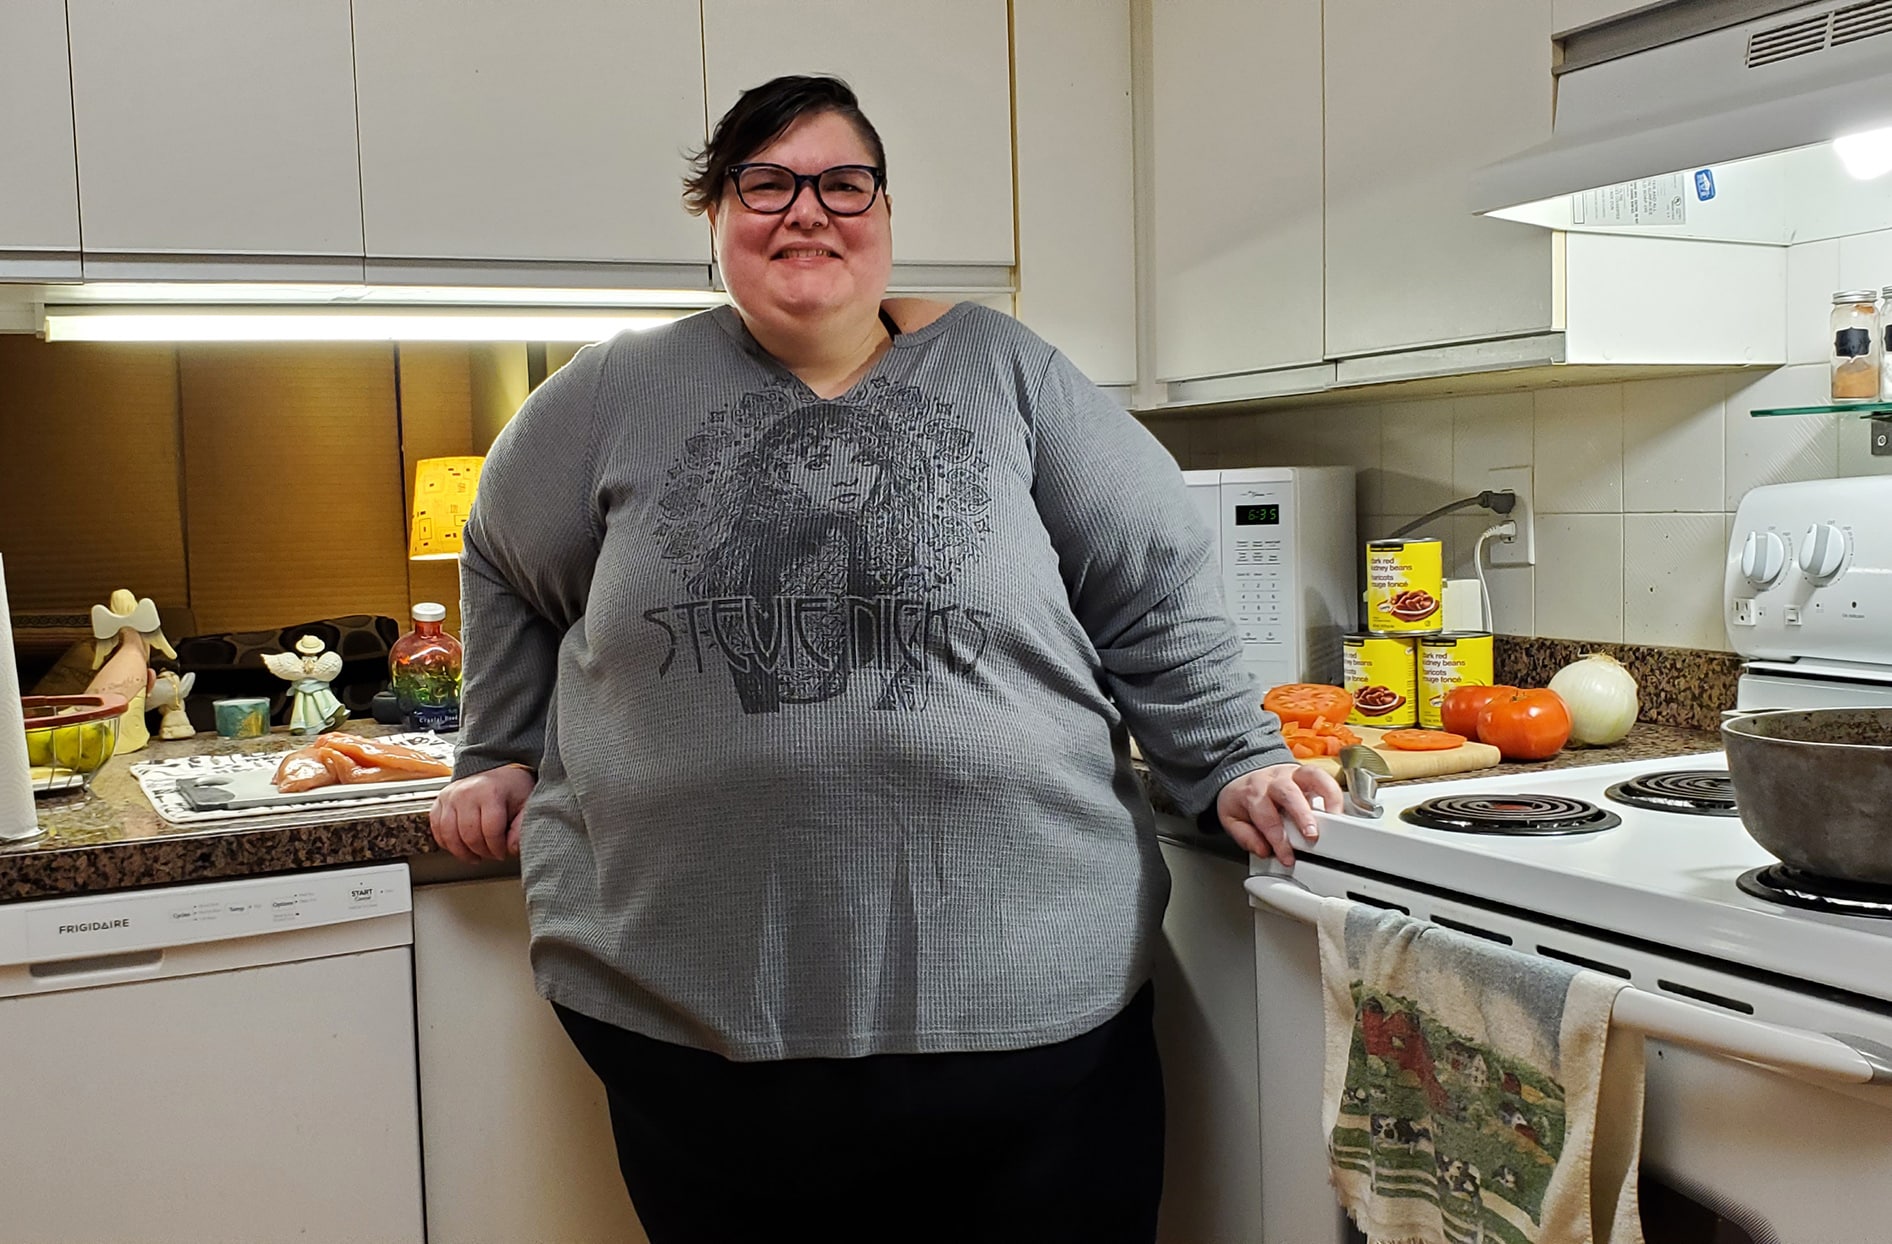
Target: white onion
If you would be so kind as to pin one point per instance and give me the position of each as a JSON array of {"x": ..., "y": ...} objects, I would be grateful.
[{"x": 1601, "y": 697}]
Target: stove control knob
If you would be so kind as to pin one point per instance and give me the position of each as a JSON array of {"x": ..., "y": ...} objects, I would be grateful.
[
  {"x": 1763, "y": 557},
  {"x": 1822, "y": 552}
]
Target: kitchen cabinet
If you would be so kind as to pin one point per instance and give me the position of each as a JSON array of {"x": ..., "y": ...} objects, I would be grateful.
[
  {"x": 1417, "y": 97},
  {"x": 1076, "y": 182},
  {"x": 216, "y": 127},
  {"x": 1237, "y": 224},
  {"x": 1207, "y": 1030},
  {"x": 39, "y": 213},
  {"x": 516, "y": 1135},
  {"x": 934, "y": 78},
  {"x": 1567, "y": 15},
  {"x": 553, "y": 132}
]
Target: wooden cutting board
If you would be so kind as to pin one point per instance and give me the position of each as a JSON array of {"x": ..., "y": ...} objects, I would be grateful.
[{"x": 1461, "y": 759}]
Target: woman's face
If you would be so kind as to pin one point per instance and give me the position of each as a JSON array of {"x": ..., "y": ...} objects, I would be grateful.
[
  {"x": 805, "y": 263},
  {"x": 834, "y": 476}
]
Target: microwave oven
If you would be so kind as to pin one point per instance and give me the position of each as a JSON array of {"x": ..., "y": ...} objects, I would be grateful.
[{"x": 1284, "y": 538}]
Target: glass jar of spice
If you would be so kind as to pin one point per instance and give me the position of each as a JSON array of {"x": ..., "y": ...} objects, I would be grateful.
[
  {"x": 1885, "y": 352},
  {"x": 1855, "y": 328}
]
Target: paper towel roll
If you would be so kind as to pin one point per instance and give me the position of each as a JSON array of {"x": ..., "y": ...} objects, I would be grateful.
[{"x": 17, "y": 817}]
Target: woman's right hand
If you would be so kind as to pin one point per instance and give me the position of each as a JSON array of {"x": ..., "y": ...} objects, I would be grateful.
[{"x": 477, "y": 818}]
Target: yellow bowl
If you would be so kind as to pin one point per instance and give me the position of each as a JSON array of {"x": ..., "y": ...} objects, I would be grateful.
[{"x": 69, "y": 738}]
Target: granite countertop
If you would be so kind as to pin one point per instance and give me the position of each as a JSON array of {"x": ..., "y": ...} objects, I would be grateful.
[
  {"x": 1646, "y": 741},
  {"x": 110, "y": 837}
]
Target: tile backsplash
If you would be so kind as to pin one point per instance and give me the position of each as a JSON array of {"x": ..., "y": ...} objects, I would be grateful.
[{"x": 1635, "y": 484}]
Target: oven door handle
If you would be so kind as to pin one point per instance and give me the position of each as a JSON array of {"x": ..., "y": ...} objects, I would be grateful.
[{"x": 1792, "y": 1051}]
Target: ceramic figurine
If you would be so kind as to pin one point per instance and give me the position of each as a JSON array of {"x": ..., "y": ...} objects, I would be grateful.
[
  {"x": 167, "y": 695},
  {"x": 124, "y": 631},
  {"x": 316, "y": 709},
  {"x": 125, "y": 610}
]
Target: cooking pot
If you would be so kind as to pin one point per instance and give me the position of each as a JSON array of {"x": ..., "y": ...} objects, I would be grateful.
[{"x": 1814, "y": 787}]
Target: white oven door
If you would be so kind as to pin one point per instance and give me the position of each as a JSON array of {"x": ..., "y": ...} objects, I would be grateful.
[{"x": 1732, "y": 1153}]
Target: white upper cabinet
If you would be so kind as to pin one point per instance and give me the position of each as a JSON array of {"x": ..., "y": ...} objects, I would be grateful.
[
  {"x": 934, "y": 78},
  {"x": 221, "y": 127},
  {"x": 1076, "y": 182},
  {"x": 1236, "y": 148},
  {"x": 39, "y": 210},
  {"x": 555, "y": 131},
  {"x": 1567, "y": 15},
  {"x": 1417, "y": 98}
]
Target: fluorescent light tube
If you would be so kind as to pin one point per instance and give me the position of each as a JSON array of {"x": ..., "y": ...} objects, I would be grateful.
[
  {"x": 99, "y": 323},
  {"x": 233, "y": 293}
]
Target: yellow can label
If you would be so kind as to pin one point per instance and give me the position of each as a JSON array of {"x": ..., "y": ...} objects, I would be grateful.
[
  {"x": 1453, "y": 659},
  {"x": 1379, "y": 671},
  {"x": 1405, "y": 586}
]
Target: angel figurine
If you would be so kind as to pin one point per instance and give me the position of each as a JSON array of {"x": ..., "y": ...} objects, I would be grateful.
[
  {"x": 316, "y": 709},
  {"x": 167, "y": 695},
  {"x": 125, "y": 630}
]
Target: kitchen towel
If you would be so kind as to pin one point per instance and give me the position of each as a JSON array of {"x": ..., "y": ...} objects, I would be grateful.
[
  {"x": 18, "y": 819},
  {"x": 1466, "y": 1094}
]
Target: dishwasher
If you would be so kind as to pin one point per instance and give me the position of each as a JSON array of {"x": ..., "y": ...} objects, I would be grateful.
[{"x": 228, "y": 1061}]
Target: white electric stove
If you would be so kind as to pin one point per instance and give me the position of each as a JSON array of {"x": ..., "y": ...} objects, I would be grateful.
[
  {"x": 1668, "y": 878},
  {"x": 1767, "y": 996}
]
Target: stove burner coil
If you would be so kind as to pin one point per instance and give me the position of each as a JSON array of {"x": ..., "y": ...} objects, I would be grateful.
[
  {"x": 1778, "y": 883},
  {"x": 1697, "y": 792},
  {"x": 1510, "y": 814}
]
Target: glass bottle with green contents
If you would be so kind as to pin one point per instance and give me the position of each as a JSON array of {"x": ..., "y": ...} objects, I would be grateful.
[{"x": 425, "y": 665}]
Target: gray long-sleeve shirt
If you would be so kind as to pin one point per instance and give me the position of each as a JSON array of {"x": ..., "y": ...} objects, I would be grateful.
[{"x": 828, "y": 699}]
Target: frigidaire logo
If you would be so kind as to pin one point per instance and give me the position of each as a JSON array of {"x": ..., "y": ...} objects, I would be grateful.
[{"x": 95, "y": 926}]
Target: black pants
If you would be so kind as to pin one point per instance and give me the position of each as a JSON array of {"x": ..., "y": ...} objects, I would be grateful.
[{"x": 1045, "y": 1145}]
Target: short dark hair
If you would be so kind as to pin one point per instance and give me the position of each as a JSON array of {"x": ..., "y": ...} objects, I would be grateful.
[{"x": 761, "y": 116}]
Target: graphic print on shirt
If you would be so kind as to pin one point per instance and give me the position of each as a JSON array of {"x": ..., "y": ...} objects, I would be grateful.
[{"x": 817, "y": 544}]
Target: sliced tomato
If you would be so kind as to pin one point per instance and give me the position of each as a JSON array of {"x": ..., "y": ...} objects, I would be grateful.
[
  {"x": 1421, "y": 740},
  {"x": 1304, "y": 703},
  {"x": 1321, "y": 738}
]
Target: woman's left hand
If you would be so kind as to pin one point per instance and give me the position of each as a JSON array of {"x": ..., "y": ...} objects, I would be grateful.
[{"x": 1257, "y": 806}]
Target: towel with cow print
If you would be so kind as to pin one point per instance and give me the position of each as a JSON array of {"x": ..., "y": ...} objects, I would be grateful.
[{"x": 1467, "y": 1099}]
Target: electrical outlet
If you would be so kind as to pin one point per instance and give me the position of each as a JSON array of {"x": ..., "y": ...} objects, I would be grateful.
[{"x": 1521, "y": 549}]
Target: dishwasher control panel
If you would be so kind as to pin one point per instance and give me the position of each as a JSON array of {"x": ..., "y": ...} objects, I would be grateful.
[{"x": 113, "y": 924}]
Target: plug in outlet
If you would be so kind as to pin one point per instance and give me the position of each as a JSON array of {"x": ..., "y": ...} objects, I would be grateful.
[{"x": 1520, "y": 550}]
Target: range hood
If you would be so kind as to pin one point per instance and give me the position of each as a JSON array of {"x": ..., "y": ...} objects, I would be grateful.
[{"x": 1683, "y": 121}]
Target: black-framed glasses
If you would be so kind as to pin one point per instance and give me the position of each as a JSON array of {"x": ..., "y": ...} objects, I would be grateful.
[{"x": 844, "y": 190}]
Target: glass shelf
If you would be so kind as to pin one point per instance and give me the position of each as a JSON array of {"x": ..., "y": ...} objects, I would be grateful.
[{"x": 1866, "y": 410}]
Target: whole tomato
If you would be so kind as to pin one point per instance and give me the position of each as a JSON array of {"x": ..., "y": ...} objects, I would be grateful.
[
  {"x": 1525, "y": 725},
  {"x": 1461, "y": 707}
]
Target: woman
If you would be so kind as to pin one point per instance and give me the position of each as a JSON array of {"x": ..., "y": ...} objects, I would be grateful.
[{"x": 857, "y": 957}]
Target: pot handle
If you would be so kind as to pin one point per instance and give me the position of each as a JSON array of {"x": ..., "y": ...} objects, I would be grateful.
[{"x": 1791, "y": 1051}]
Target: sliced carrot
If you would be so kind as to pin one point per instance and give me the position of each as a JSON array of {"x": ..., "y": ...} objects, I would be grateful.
[{"x": 1421, "y": 740}]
